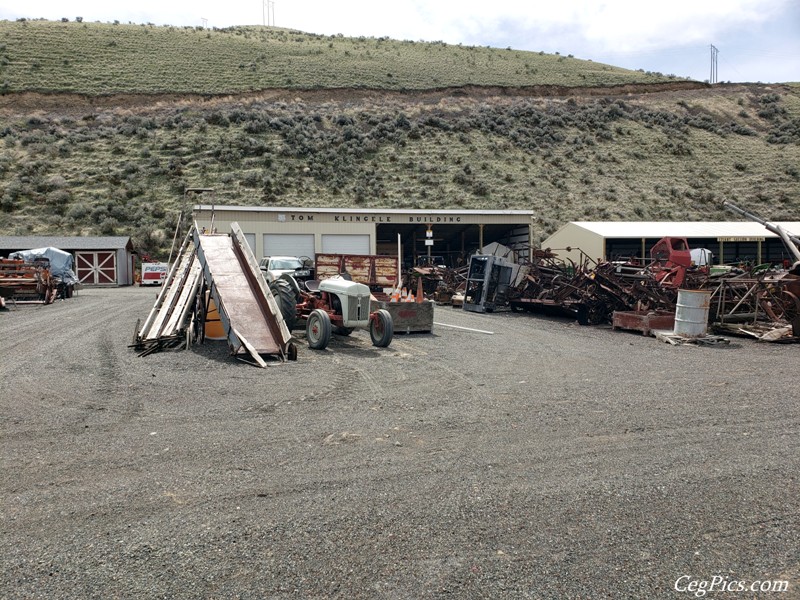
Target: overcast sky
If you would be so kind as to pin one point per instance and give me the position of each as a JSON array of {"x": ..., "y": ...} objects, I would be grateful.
[{"x": 758, "y": 40}]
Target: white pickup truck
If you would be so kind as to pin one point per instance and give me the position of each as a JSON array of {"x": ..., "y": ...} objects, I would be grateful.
[{"x": 275, "y": 266}]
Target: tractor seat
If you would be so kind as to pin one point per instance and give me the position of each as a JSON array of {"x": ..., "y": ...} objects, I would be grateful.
[{"x": 312, "y": 285}]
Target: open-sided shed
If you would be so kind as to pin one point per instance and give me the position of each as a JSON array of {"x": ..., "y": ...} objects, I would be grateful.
[{"x": 729, "y": 241}]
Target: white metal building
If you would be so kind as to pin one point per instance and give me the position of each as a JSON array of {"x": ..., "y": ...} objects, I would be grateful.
[
  {"x": 729, "y": 241},
  {"x": 307, "y": 231}
]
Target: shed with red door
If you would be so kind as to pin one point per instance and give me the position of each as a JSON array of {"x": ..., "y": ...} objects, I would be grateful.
[{"x": 98, "y": 261}]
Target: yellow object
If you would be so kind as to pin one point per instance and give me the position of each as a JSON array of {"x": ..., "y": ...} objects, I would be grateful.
[{"x": 214, "y": 329}]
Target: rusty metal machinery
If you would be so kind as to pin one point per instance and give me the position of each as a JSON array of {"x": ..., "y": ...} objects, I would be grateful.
[{"x": 30, "y": 282}]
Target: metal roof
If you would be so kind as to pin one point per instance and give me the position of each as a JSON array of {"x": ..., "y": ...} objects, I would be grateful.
[
  {"x": 688, "y": 229},
  {"x": 363, "y": 211},
  {"x": 29, "y": 242}
]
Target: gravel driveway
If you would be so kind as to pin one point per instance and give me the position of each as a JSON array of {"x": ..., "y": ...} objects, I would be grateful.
[{"x": 541, "y": 460}]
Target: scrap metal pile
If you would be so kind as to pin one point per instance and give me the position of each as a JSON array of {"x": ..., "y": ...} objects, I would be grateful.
[
  {"x": 762, "y": 301},
  {"x": 591, "y": 292},
  {"x": 764, "y": 304}
]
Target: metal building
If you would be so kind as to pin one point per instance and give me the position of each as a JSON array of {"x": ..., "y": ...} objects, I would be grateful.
[
  {"x": 729, "y": 241},
  {"x": 98, "y": 260},
  {"x": 307, "y": 231}
]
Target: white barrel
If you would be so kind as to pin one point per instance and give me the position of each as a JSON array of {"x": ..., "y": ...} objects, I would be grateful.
[{"x": 691, "y": 313}]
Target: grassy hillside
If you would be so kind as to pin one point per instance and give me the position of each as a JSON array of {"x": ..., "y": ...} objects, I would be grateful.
[
  {"x": 120, "y": 165},
  {"x": 97, "y": 58}
]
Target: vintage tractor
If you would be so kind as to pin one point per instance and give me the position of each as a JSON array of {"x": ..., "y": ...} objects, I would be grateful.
[{"x": 335, "y": 305}]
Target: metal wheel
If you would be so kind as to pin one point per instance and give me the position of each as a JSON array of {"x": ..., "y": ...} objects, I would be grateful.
[
  {"x": 381, "y": 329},
  {"x": 790, "y": 305},
  {"x": 318, "y": 329}
]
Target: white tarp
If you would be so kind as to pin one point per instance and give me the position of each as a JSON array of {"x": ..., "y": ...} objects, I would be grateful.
[{"x": 60, "y": 262}]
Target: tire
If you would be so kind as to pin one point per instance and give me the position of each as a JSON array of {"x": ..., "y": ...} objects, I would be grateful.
[
  {"x": 284, "y": 296},
  {"x": 318, "y": 329},
  {"x": 381, "y": 330}
]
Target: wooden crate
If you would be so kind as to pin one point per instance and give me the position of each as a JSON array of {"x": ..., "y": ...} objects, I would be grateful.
[{"x": 410, "y": 317}]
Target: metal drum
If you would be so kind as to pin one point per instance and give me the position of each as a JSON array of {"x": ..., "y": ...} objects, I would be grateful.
[{"x": 691, "y": 313}]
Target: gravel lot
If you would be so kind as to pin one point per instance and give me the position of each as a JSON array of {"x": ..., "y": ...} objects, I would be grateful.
[{"x": 544, "y": 460}]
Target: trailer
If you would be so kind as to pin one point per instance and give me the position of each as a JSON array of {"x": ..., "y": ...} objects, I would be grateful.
[
  {"x": 154, "y": 273},
  {"x": 372, "y": 270}
]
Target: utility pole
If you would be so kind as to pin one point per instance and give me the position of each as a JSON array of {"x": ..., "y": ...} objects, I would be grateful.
[
  {"x": 268, "y": 12},
  {"x": 714, "y": 53}
]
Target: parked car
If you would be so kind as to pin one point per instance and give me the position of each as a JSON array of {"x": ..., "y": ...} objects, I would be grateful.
[{"x": 301, "y": 268}]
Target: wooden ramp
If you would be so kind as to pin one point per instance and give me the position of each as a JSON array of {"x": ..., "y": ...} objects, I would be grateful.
[
  {"x": 169, "y": 323},
  {"x": 250, "y": 316},
  {"x": 223, "y": 265}
]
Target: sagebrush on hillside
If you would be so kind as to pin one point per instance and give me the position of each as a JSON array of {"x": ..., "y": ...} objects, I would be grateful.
[{"x": 120, "y": 164}]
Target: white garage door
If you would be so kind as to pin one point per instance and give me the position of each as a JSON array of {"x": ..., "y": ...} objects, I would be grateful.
[
  {"x": 345, "y": 244},
  {"x": 289, "y": 244},
  {"x": 251, "y": 241}
]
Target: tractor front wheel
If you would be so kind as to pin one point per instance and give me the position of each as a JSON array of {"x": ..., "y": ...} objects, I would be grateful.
[
  {"x": 318, "y": 329},
  {"x": 381, "y": 328}
]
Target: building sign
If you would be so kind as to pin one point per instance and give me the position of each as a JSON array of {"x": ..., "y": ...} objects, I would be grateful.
[
  {"x": 302, "y": 217},
  {"x": 741, "y": 239},
  {"x": 361, "y": 219},
  {"x": 376, "y": 218}
]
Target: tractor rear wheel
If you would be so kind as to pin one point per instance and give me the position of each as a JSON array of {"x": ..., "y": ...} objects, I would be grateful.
[
  {"x": 318, "y": 329},
  {"x": 284, "y": 296},
  {"x": 381, "y": 329}
]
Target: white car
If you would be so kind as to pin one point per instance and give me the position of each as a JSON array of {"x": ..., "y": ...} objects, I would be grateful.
[{"x": 275, "y": 266}]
